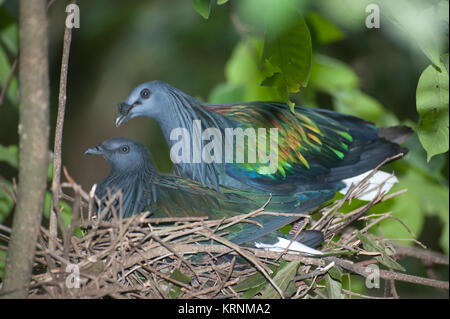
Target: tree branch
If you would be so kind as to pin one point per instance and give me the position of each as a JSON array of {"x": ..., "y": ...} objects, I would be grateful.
[
  {"x": 33, "y": 144},
  {"x": 57, "y": 150},
  {"x": 390, "y": 275}
]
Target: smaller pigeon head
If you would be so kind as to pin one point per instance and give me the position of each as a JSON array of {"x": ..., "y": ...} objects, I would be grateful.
[
  {"x": 147, "y": 99},
  {"x": 123, "y": 154}
]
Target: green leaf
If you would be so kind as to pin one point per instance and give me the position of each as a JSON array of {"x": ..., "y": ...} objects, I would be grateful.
[
  {"x": 220, "y": 2},
  {"x": 6, "y": 202},
  {"x": 442, "y": 10},
  {"x": 444, "y": 59},
  {"x": 282, "y": 279},
  {"x": 430, "y": 43},
  {"x": 243, "y": 75},
  {"x": 9, "y": 34},
  {"x": 432, "y": 106},
  {"x": 374, "y": 246},
  {"x": 325, "y": 31},
  {"x": 355, "y": 102},
  {"x": 174, "y": 292},
  {"x": 287, "y": 57},
  {"x": 227, "y": 93},
  {"x": 179, "y": 276},
  {"x": 334, "y": 287},
  {"x": 5, "y": 70},
  {"x": 336, "y": 272},
  {"x": 10, "y": 155},
  {"x": 254, "y": 281},
  {"x": 423, "y": 27},
  {"x": 417, "y": 159},
  {"x": 406, "y": 208},
  {"x": 330, "y": 75},
  {"x": 66, "y": 210},
  {"x": 2, "y": 262},
  {"x": 445, "y": 238},
  {"x": 203, "y": 7}
]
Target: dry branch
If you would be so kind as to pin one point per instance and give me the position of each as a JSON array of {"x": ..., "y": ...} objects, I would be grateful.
[{"x": 33, "y": 144}]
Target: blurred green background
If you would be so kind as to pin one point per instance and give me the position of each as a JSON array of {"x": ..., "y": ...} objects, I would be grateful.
[{"x": 371, "y": 73}]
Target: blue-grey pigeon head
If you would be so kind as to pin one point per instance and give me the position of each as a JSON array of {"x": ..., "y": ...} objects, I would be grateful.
[
  {"x": 147, "y": 99},
  {"x": 123, "y": 154},
  {"x": 131, "y": 171}
]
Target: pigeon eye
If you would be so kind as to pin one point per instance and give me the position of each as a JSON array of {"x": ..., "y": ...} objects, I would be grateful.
[
  {"x": 124, "y": 149},
  {"x": 145, "y": 93}
]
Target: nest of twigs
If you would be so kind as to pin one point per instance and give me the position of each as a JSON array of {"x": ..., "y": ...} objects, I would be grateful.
[{"x": 145, "y": 257}]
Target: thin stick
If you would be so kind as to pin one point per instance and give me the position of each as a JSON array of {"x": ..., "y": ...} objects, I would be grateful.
[
  {"x": 392, "y": 275},
  {"x": 8, "y": 80},
  {"x": 57, "y": 150}
]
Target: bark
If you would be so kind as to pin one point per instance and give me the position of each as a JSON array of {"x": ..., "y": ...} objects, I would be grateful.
[{"x": 33, "y": 144}]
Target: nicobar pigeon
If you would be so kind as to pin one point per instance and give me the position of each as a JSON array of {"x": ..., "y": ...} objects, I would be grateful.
[
  {"x": 317, "y": 148},
  {"x": 143, "y": 188}
]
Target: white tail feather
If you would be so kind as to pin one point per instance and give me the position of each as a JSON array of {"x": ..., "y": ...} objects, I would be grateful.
[
  {"x": 295, "y": 247},
  {"x": 374, "y": 184}
]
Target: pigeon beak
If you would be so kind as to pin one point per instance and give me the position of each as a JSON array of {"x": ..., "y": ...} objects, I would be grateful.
[
  {"x": 124, "y": 111},
  {"x": 94, "y": 150},
  {"x": 120, "y": 119}
]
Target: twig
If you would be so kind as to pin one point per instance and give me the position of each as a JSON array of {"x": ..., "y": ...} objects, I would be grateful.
[
  {"x": 8, "y": 80},
  {"x": 13, "y": 197},
  {"x": 425, "y": 255},
  {"x": 391, "y": 275},
  {"x": 57, "y": 150}
]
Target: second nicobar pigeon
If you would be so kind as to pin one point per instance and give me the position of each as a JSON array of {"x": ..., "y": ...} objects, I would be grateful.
[
  {"x": 317, "y": 148},
  {"x": 143, "y": 188}
]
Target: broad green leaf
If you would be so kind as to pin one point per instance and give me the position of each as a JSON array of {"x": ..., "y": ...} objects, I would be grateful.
[
  {"x": 6, "y": 202},
  {"x": 325, "y": 31},
  {"x": 9, "y": 34},
  {"x": 444, "y": 59},
  {"x": 355, "y": 102},
  {"x": 243, "y": 63},
  {"x": 243, "y": 75},
  {"x": 2, "y": 262},
  {"x": 424, "y": 197},
  {"x": 445, "y": 238},
  {"x": 290, "y": 290},
  {"x": 220, "y": 2},
  {"x": 371, "y": 245},
  {"x": 227, "y": 93},
  {"x": 10, "y": 155},
  {"x": 422, "y": 27},
  {"x": 336, "y": 272},
  {"x": 290, "y": 52},
  {"x": 406, "y": 207},
  {"x": 417, "y": 158},
  {"x": 250, "y": 293},
  {"x": 442, "y": 10},
  {"x": 5, "y": 69},
  {"x": 431, "y": 42},
  {"x": 334, "y": 287},
  {"x": 174, "y": 292},
  {"x": 179, "y": 276},
  {"x": 203, "y": 7},
  {"x": 254, "y": 281},
  {"x": 432, "y": 106},
  {"x": 274, "y": 15},
  {"x": 282, "y": 279},
  {"x": 330, "y": 75},
  {"x": 66, "y": 212}
]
